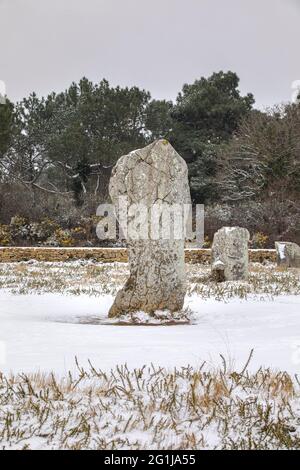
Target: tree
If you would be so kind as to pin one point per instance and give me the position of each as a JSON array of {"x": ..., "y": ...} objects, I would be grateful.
[
  {"x": 6, "y": 125},
  {"x": 93, "y": 125},
  {"x": 263, "y": 160},
  {"x": 68, "y": 142},
  {"x": 206, "y": 115},
  {"x": 158, "y": 121}
]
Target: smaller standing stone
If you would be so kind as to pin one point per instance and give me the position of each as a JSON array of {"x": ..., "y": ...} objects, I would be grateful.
[
  {"x": 229, "y": 254},
  {"x": 288, "y": 254}
]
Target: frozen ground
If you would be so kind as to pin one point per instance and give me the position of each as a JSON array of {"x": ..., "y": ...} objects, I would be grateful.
[
  {"x": 165, "y": 397},
  {"x": 46, "y": 333},
  {"x": 42, "y": 331}
]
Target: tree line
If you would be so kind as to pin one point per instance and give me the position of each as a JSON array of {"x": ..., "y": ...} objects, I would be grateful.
[{"x": 57, "y": 152}]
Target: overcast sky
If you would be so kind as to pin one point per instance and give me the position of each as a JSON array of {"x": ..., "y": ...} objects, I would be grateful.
[{"x": 155, "y": 44}]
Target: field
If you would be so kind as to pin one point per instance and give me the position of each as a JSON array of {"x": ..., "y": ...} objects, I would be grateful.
[{"x": 226, "y": 380}]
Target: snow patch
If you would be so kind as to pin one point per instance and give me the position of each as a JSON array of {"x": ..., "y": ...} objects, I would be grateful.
[{"x": 41, "y": 334}]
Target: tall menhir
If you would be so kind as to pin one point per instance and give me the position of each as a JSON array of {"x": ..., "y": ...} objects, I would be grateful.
[{"x": 157, "y": 281}]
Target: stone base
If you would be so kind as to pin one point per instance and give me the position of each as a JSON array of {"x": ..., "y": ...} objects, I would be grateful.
[{"x": 158, "y": 318}]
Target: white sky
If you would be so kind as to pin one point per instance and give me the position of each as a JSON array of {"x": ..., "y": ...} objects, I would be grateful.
[{"x": 155, "y": 44}]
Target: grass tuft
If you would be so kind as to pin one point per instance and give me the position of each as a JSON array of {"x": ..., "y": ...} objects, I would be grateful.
[{"x": 151, "y": 408}]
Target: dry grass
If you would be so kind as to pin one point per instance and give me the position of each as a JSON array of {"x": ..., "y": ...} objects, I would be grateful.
[
  {"x": 151, "y": 408},
  {"x": 264, "y": 280},
  {"x": 148, "y": 408},
  {"x": 95, "y": 279}
]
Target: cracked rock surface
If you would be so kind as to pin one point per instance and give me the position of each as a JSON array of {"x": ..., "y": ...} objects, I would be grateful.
[{"x": 150, "y": 176}]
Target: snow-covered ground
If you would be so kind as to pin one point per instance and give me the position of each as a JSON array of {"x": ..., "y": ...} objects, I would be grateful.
[
  {"x": 52, "y": 313},
  {"x": 47, "y": 331}
]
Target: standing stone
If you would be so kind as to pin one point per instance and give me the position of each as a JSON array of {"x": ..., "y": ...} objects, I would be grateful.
[
  {"x": 153, "y": 175},
  {"x": 230, "y": 254},
  {"x": 288, "y": 254}
]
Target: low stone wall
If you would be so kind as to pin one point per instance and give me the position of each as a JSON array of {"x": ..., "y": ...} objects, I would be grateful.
[
  {"x": 200, "y": 255},
  {"x": 109, "y": 255}
]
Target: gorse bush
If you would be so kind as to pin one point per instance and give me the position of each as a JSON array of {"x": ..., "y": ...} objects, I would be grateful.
[
  {"x": 259, "y": 240},
  {"x": 47, "y": 232}
]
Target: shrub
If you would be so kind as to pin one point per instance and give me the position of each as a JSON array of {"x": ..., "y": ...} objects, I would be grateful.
[
  {"x": 64, "y": 237},
  {"x": 259, "y": 240},
  {"x": 79, "y": 234},
  {"x": 5, "y": 237},
  {"x": 19, "y": 228},
  {"x": 207, "y": 242},
  {"x": 41, "y": 231}
]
